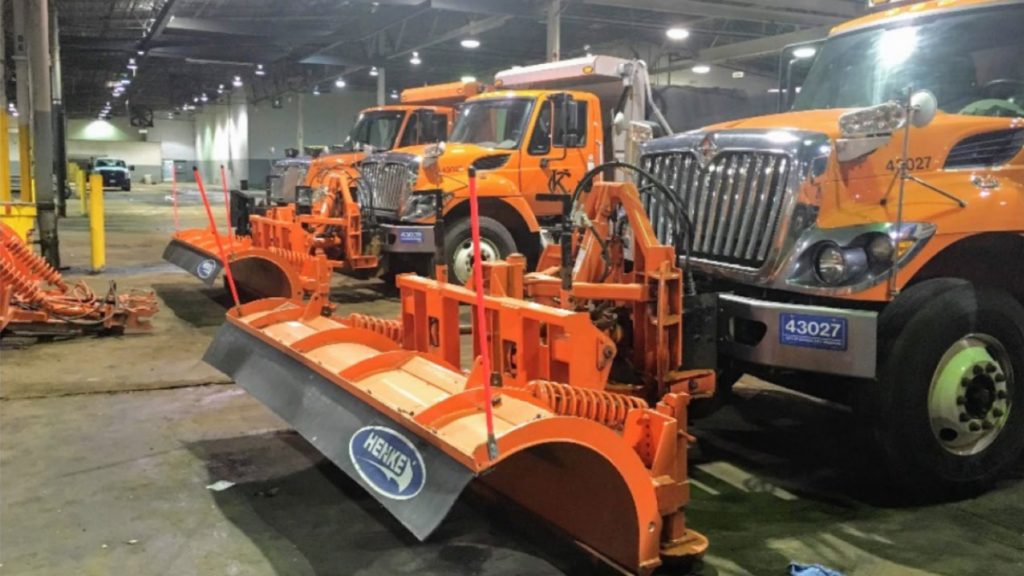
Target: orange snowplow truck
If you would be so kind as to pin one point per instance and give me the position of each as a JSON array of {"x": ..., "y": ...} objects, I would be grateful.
[
  {"x": 872, "y": 234},
  {"x": 310, "y": 225},
  {"x": 531, "y": 140}
]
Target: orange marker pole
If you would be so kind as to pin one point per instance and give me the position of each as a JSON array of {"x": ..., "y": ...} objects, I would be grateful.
[
  {"x": 216, "y": 236},
  {"x": 481, "y": 314},
  {"x": 227, "y": 198}
]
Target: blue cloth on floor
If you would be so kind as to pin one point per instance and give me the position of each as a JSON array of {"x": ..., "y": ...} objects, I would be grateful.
[{"x": 796, "y": 569}]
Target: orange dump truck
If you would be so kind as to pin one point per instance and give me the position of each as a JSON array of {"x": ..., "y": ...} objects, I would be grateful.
[
  {"x": 531, "y": 140},
  {"x": 870, "y": 238},
  {"x": 311, "y": 224}
]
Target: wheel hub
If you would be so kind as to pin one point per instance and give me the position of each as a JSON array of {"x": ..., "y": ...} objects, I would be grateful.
[
  {"x": 463, "y": 259},
  {"x": 969, "y": 398}
]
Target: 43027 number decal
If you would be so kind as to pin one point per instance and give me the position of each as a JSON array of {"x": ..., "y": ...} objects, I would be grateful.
[
  {"x": 813, "y": 331},
  {"x": 915, "y": 164}
]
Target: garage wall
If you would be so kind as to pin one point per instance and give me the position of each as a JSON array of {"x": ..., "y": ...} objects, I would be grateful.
[
  {"x": 166, "y": 140},
  {"x": 222, "y": 137},
  {"x": 328, "y": 118}
]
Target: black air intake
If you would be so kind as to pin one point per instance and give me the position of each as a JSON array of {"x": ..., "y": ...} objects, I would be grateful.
[{"x": 985, "y": 150}]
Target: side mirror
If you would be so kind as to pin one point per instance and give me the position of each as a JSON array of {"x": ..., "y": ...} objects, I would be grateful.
[
  {"x": 923, "y": 107},
  {"x": 131, "y": 168}
]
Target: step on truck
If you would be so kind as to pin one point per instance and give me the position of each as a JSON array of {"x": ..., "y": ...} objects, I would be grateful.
[
  {"x": 870, "y": 238},
  {"x": 309, "y": 224}
]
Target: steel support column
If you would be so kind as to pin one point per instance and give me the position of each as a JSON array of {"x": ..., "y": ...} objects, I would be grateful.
[
  {"x": 37, "y": 35},
  {"x": 555, "y": 31},
  {"x": 60, "y": 160},
  {"x": 5, "y": 155},
  {"x": 24, "y": 103},
  {"x": 382, "y": 94}
]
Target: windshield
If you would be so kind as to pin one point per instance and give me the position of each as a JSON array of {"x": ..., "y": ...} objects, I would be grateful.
[
  {"x": 493, "y": 123},
  {"x": 107, "y": 163},
  {"x": 972, "y": 60},
  {"x": 376, "y": 129}
]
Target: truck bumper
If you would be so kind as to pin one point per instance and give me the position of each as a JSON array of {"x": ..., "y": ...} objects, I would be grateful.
[
  {"x": 812, "y": 338},
  {"x": 408, "y": 239}
]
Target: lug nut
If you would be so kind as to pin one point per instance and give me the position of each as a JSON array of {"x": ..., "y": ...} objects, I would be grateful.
[
  {"x": 960, "y": 400},
  {"x": 990, "y": 368},
  {"x": 987, "y": 425},
  {"x": 964, "y": 417},
  {"x": 997, "y": 412},
  {"x": 1001, "y": 394},
  {"x": 974, "y": 427},
  {"x": 965, "y": 382},
  {"x": 978, "y": 369},
  {"x": 1000, "y": 377}
]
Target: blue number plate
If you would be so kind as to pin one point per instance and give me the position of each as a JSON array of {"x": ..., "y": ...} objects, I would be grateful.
[
  {"x": 410, "y": 237},
  {"x": 813, "y": 331}
]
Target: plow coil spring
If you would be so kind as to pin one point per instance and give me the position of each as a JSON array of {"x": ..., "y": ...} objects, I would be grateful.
[
  {"x": 36, "y": 265},
  {"x": 291, "y": 256},
  {"x": 391, "y": 329},
  {"x": 607, "y": 408},
  {"x": 24, "y": 288}
]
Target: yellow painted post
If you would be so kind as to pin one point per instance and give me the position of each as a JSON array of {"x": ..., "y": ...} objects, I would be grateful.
[
  {"x": 83, "y": 194},
  {"x": 5, "y": 159},
  {"x": 25, "y": 163},
  {"x": 96, "y": 230}
]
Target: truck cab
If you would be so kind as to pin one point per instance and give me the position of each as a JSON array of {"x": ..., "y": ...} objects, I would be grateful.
[
  {"x": 870, "y": 237},
  {"x": 115, "y": 173},
  {"x": 528, "y": 141}
]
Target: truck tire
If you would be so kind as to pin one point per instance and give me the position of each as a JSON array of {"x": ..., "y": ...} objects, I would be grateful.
[
  {"x": 127, "y": 187},
  {"x": 947, "y": 408},
  {"x": 496, "y": 243}
]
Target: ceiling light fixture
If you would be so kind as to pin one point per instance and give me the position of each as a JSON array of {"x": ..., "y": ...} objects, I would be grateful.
[
  {"x": 415, "y": 60},
  {"x": 340, "y": 83},
  {"x": 237, "y": 82},
  {"x": 701, "y": 69},
  {"x": 203, "y": 97},
  {"x": 805, "y": 52},
  {"x": 676, "y": 33},
  {"x": 470, "y": 43},
  {"x": 316, "y": 90},
  {"x": 468, "y": 79},
  {"x": 260, "y": 71},
  {"x": 374, "y": 71}
]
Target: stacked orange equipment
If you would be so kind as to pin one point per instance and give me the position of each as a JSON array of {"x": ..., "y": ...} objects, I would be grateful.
[{"x": 35, "y": 299}]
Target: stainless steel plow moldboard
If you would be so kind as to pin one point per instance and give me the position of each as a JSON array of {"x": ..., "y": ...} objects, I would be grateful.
[
  {"x": 196, "y": 263},
  {"x": 411, "y": 478}
]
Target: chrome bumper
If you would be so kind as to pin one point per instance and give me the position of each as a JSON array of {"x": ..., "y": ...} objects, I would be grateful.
[
  {"x": 408, "y": 239},
  {"x": 854, "y": 356}
]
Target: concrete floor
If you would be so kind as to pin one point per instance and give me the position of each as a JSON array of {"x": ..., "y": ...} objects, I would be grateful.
[{"x": 107, "y": 447}]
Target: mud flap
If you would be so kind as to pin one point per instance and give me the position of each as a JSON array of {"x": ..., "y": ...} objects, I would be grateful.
[
  {"x": 411, "y": 478},
  {"x": 199, "y": 264}
]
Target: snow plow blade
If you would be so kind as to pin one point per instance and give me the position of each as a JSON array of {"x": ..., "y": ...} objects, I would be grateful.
[
  {"x": 259, "y": 272},
  {"x": 386, "y": 401}
]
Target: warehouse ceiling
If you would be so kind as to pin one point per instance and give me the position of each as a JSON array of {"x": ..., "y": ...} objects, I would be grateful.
[{"x": 185, "y": 48}]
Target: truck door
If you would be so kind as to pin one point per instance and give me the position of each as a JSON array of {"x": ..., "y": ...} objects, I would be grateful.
[{"x": 558, "y": 151}]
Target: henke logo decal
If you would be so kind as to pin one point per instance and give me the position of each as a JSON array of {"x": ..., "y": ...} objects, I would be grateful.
[
  {"x": 388, "y": 462},
  {"x": 206, "y": 268}
]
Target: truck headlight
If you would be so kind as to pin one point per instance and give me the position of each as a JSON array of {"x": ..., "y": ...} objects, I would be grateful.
[
  {"x": 881, "y": 249},
  {"x": 420, "y": 206},
  {"x": 835, "y": 265}
]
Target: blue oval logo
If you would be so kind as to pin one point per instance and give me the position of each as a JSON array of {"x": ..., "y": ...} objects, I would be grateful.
[
  {"x": 206, "y": 268},
  {"x": 388, "y": 462}
]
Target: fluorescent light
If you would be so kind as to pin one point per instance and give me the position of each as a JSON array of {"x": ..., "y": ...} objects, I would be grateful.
[
  {"x": 805, "y": 52},
  {"x": 260, "y": 71},
  {"x": 316, "y": 90},
  {"x": 373, "y": 71},
  {"x": 677, "y": 34},
  {"x": 415, "y": 60},
  {"x": 701, "y": 69},
  {"x": 340, "y": 83},
  {"x": 468, "y": 79},
  {"x": 203, "y": 97},
  {"x": 470, "y": 43},
  {"x": 237, "y": 82}
]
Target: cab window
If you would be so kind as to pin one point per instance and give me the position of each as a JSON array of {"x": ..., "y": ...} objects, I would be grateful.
[{"x": 540, "y": 141}]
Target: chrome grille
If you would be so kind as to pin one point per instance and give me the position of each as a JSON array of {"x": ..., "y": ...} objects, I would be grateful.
[
  {"x": 385, "y": 183},
  {"x": 734, "y": 203}
]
